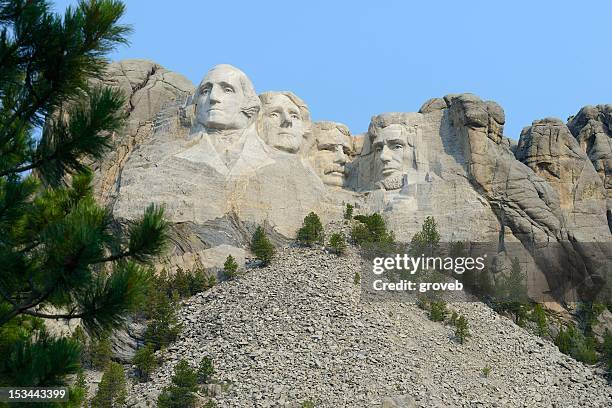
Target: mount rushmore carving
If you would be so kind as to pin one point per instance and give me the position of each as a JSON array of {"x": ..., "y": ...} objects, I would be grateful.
[{"x": 223, "y": 160}]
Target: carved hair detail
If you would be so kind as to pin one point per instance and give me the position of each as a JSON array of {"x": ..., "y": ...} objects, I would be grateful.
[
  {"x": 326, "y": 126},
  {"x": 266, "y": 98}
]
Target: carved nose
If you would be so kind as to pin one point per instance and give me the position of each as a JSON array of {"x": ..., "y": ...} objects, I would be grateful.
[
  {"x": 214, "y": 96},
  {"x": 340, "y": 156},
  {"x": 385, "y": 155},
  {"x": 286, "y": 122}
]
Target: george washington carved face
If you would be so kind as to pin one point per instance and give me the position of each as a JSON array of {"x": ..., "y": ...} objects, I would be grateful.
[{"x": 225, "y": 99}]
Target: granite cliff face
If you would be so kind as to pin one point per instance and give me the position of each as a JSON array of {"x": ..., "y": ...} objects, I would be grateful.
[
  {"x": 224, "y": 160},
  {"x": 592, "y": 128}
]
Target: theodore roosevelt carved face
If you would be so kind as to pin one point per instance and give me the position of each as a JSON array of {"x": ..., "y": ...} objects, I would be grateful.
[
  {"x": 225, "y": 99},
  {"x": 332, "y": 150},
  {"x": 284, "y": 121}
]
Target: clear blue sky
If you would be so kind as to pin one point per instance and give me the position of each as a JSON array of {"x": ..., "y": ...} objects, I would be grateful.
[{"x": 350, "y": 60}]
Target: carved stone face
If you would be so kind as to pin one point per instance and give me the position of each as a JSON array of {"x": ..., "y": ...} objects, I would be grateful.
[
  {"x": 392, "y": 156},
  {"x": 333, "y": 151},
  {"x": 221, "y": 99},
  {"x": 283, "y": 125}
]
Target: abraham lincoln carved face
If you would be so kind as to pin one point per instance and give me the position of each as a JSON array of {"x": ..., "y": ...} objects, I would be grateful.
[{"x": 394, "y": 150}]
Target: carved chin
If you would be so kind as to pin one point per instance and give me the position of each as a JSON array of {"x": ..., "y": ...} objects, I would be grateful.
[
  {"x": 221, "y": 120},
  {"x": 393, "y": 182},
  {"x": 286, "y": 143},
  {"x": 334, "y": 179}
]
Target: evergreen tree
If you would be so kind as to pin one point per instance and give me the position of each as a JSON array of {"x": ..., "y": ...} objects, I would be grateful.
[
  {"x": 372, "y": 235},
  {"x": 77, "y": 394},
  {"x": 589, "y": 313},
  {"x": 60, "y": 256},
  {"x": 230, "y": 267},
  {"x": 438, "y": 311},
  {"x": 484, "y": 283},
  {"x": 198, "y": 281},
  {"x": 606, "y": 351},
  {"x": 337, "y": 243},
  {"x": 81, "y": 338},
  {"x": 378, "y": 228},
  {"x": 462, "y": 331},
  {"x": 262, "y": 247},
  {"x": 427, "y": 241},
  {"x": 205, "y": 370},
  {"x": 311, "y": 231},
  {"x": 513, "y": 293},
  {"x": 539, "y": 317},
  {"x": 181, "y": 392},
  {"x": 112, "y": 390},
  {"x": 101, "y": 352},
  {"x": 163, "y": 327},
  {"x": 348, "y": 212},
  {"x": 564, "y": 340},
  {"x": 145, "y": 361},
  {"x": 180, "y": 283},
  {"x": 571, "y": 341},
  {"x": 360, "y": 233}
]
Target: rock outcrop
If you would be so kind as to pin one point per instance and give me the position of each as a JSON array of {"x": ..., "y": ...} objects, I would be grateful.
[
  {"x": 149, "y": 90},
  {"x": 223, "y": 160},
  {"x": 592, "y": 127}
]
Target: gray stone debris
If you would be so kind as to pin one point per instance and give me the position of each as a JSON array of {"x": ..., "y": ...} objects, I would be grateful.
[{"x": 299, "y": 330}]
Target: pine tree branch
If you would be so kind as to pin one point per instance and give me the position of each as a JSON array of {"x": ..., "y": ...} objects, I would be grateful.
[
  {"x": 18, "y": 309},
  {"x": 70, "y": 315},
  {"x": 21, "y": 169},
  {"x": 113, "y": 258}
]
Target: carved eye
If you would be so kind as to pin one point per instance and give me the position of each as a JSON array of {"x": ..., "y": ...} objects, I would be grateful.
[
  {"x": 205, "y": 91},
  {"x": 295, "y": 116},
  {"x": 273, "y": 115},
  {"x": 227, "y": 89},
  {"x": 397, "y": 146}
]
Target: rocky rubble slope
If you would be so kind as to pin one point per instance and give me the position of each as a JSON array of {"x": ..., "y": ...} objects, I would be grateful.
[{"x": 299, "y": 330}]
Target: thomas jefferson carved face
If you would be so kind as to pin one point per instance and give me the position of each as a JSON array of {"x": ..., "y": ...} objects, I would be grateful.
[
  {"x": 333, "y": 149},
  {"x": 284, "y": 121},
  {"x": 225, "y": 99},
  {"x": 393, "y": 155}
]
